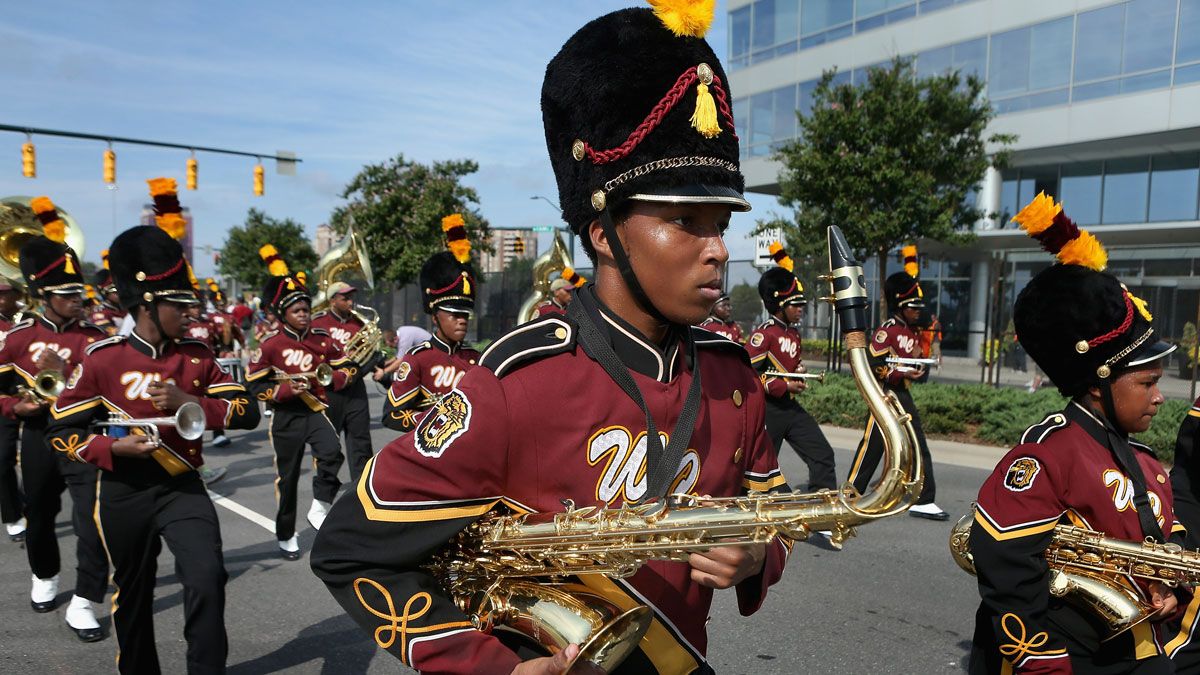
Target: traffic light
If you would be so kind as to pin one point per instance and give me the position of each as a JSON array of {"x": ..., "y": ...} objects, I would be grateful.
[
  {"x": 28, "y": 160},
  {"x": 110, "y": 166},
  {"x": 191, "y": 173},
  {"x": 258, "y": 180},
  {"x": 518, "y": 246}
]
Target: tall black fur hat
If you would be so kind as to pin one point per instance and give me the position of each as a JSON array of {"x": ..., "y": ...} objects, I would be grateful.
[
  {"x": 901, "y": 290},
  {"x": 637, "y": 105},
  {"x": 779, "y": 286},
  {"x": 148, "y": 265},
  {"x": 282, "y": 292},
  {"x": 1079, "y": 323},
  {"x": 103, "y": 281},
  {"x": 447, "y": 284},
  {"x": 50, "y": 267}
]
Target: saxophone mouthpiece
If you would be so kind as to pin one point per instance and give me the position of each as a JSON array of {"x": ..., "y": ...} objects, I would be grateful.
[{"x": 847, "y": 284}]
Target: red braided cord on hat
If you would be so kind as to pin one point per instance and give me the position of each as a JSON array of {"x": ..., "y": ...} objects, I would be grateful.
[
  {"x": 49, "y": 267},
  {"x": 164, "y": 275},
  {"x": 1119, "y": 330},
  {"x": 454, "y": 283},
  {"x": 660, "y": 110}
]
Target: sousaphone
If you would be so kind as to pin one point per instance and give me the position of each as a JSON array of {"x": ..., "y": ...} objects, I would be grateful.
[
  {"x": 347, "y": 260},
  {"x": 19, "y": 224},
  {"x": 552, "y": 262}
]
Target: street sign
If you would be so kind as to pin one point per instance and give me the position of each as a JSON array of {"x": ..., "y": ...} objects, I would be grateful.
[
  {"x": 762, "y": 247},
  {"x": 543, "y": 228}
]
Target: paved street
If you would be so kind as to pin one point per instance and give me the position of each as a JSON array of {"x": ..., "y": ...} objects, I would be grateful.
[{"x": 891, "y": 602}]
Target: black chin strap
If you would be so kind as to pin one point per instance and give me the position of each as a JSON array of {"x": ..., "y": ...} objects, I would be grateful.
[
  {"x": 1119, "y": 444},
  {"x": 626, "y": 269},
  {"x": 661, "y": 465}
]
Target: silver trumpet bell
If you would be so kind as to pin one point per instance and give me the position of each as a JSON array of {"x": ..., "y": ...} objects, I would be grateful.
[{"x": 189, "y": 422}]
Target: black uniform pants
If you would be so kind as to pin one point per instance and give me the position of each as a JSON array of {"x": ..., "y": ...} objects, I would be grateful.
[
  {"x": 46, "y": 473},
  {"x": 135, "y": 519},
  {"x": 11, "y": 499},
  {"x": 290, "y": 431},
  {"x": 787, "y": 420},
  {"x": 351, "y": 418},
  {"x": 867, "y": 460}
]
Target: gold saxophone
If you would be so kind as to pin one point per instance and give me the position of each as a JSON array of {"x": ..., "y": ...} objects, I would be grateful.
[
  {"x": 516, "y": 570},
  {"x": 1090, "y": 569}
]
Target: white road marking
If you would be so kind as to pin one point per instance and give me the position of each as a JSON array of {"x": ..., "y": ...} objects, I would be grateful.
[{"x": 262, "y": 521}]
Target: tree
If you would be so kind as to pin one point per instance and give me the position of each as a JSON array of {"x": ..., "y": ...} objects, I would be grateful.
[
  {"x": 239, "y": 254},
  {"x": 398, "y": 206},
  {"x": 747, "y": 306},
  {"x": 890, "y": 161}
]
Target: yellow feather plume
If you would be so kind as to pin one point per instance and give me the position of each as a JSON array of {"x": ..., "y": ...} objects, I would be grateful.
[
  {"x": 276, "y": 267},
  {"x": 162, "y": 186},
  {"x": 104, "y": 258},
  {"x": 1084, "y": 250},
  {"x": 1038, "y": 214},
  {"x": 685, "y": 17},
  {"x": 55, "y": 230},
  {"x": 785, "y": 261},
  {"x": 41, "y": 205},
  {"x": 452, "y": 221},
  {"x": 912, "y": 268}
]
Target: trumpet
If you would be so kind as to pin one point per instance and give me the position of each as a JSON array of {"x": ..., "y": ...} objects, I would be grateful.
[
  {"x": 47, "y": 385},
  {"x": 819, "y": 377},
  {"x": 323, "y": 375},
  {"x": 189, "y": 422}
]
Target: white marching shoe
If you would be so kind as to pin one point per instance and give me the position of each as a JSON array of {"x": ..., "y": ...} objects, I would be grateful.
[
  {"x": 290, "y": 548},
  {"x": 928, "y": 511},
  {"x": 82, "y": 619},
  {"x": 317, "y": 513},
  {"x": 16, "y": 530},
  {"x": 42, "y": 597}
]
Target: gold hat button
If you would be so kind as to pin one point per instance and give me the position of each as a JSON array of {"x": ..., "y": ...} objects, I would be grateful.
[
  {"x": 195, "y": 360},
  {"x": 578, "y": 151},
  {"x": 192, "y": 451},
  {"x": 737, "y": 398},
  {"x": 737, "y": 455},
  {"x": 140, "y": 276},
  {"x": 599, "y": 200},
  {"x": 705, "y": 73},
  {"x": 1161, "y": 478},
  {"x": 560, "y": 333}
]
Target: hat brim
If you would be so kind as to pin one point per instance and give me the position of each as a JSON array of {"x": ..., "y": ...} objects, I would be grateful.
[
  {"x": 794, "y": 300},
  {"x": 1150, "y": 353},
  {"x": 696, "y": 194},
  {"x": 455, "y": 308},
  {"x": 344, "y": 291},
  {"x": 66, "y": 289},
  {"x": 917, "y": 303},
  {"x": 179, "y": 297}
]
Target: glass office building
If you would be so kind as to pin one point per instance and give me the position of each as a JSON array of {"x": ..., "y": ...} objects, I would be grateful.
[{"x": 1103, "y": 95}]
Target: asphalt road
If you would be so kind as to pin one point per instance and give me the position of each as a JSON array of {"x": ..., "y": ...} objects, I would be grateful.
[{"x": 891, "y": 602}]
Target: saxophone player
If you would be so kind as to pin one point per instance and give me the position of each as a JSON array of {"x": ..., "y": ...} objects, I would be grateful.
[
  {"x": 1095, "y": 340},
  {"x": 151, "y": 492},
  {"x": 617, "y": 401},
  {"x": 348, "y": 409},
  {"x": 11, "y": 499}
]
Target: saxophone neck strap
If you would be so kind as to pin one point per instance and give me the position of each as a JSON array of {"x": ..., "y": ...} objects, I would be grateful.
[
  {"x": 661, "y": 464},
  {"x": 1119, "y": 446}
]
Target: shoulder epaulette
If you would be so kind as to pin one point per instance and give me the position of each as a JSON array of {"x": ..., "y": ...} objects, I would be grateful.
[
  {"x": 319, "y": 331},
  {"x": 25, "y": 323},
  {"x": 191, "y": 341},
  {"x": 114, "y": 340},
  {"x": 888, "y": 323},
  {"x": 1141, "y": 446},
  {"x": 1042, "y": 430},
  {"x": 707, "y": 320},
  {"x": 267, "y": 336},
  {"x": 89, "y": 324},
  {"x": 419, "y": 347},
  {"x": 319, "y": 314},
  {"x": 546, "y": 336},
  {"x": 708, "y": 339}
]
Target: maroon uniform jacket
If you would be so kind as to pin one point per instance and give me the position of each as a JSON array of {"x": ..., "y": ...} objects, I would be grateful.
[
  {"x": 1184, "y": 649},
  {"x": 338, "y": 328},
  {"x": 291, "y": 352},
  {"x": 428, "y": 371},
  {"x": 203, "y": 330},
  {"x": 23, "y": 344},
  {"x": 114, "y": 377},
  {"x": 1062, "y": 472},
  {"x": 774, "y": 346},
  {"x": 7, "y": 322},
  {"x": 108, "y": 317},
  {"x": 540, "y": 422},
  {"x": 550, "y": 307},
  {"x": 893, "y": 339},
  {"x": 226, "y": 331},
  {"x": 730, "y": 330}
]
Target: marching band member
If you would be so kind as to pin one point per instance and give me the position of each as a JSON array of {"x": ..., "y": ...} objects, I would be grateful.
[
  {"x": 53, "y": 341},
  {"x": 12, "y": 501},
  {"x": 547, "y": 417},
  {"x": 1079, "y": 467},
  {"x": 149, "y": 491},
  {"x": 775, "y": 346},
  {"x": 299, "y": 402},
  {"x": 720, "y": 320},
  {"x": 434, "y": 367},
  {"x": 107, "y": 314},
  {"x": 560, "y": 292},
  {"x": 348, "y": 408},
  {"x": 897, "y": 338}
]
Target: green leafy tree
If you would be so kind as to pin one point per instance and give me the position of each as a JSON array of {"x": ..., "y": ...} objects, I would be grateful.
[
  {"x": 239, "y": 254},
  {"x": 747, "y": 306},
  {"x": 397, "y": 207},
  {"x": 889, "y": 161}
]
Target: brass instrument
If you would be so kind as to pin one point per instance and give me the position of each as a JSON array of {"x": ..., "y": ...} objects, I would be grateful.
[
  {"x": 322, "y": 375},
  {"x": 819, "y": 377},
  {"x": 1088, "y": 569},
  {"x": 347, "y": 259},
  {"x": 19, "y": 224},
  {"x": 516, "y": 570},
  {"x": 552, "y": 262},
  {"x": 47, "y": 385},
  {"x": 363, "y": 346},
  {"x": 189, "y": 421}
]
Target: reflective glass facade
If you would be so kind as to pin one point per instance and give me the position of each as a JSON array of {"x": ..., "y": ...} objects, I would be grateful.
[{"x": 1122, "y": 48}]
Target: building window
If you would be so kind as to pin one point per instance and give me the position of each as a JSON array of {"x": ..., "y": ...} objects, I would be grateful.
[
  {"x": 970, "y": 58},
  {"x": 1080, "y": 191},
  {"x": 1187, "y": 47},
  {"x": 739, "y": 36},
  {"x": 1031, "y": 66},
  {"x": 1173, "y": 184},
  {"x": 1098, "y": 43},
  {"x": 1125, "y": 189}
]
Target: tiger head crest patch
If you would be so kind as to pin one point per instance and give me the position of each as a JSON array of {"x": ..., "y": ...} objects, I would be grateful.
[
  {"x": 1021, "y": 474},
  {"x": 449, "y": 419}
]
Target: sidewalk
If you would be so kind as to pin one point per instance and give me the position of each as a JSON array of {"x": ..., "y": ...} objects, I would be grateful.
[
  {"x": 944, "y": 452},
  {"x": 962, "y": 370}
]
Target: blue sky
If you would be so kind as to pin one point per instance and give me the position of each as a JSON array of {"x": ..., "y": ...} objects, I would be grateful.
[{"x": 340, "y": 84}]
